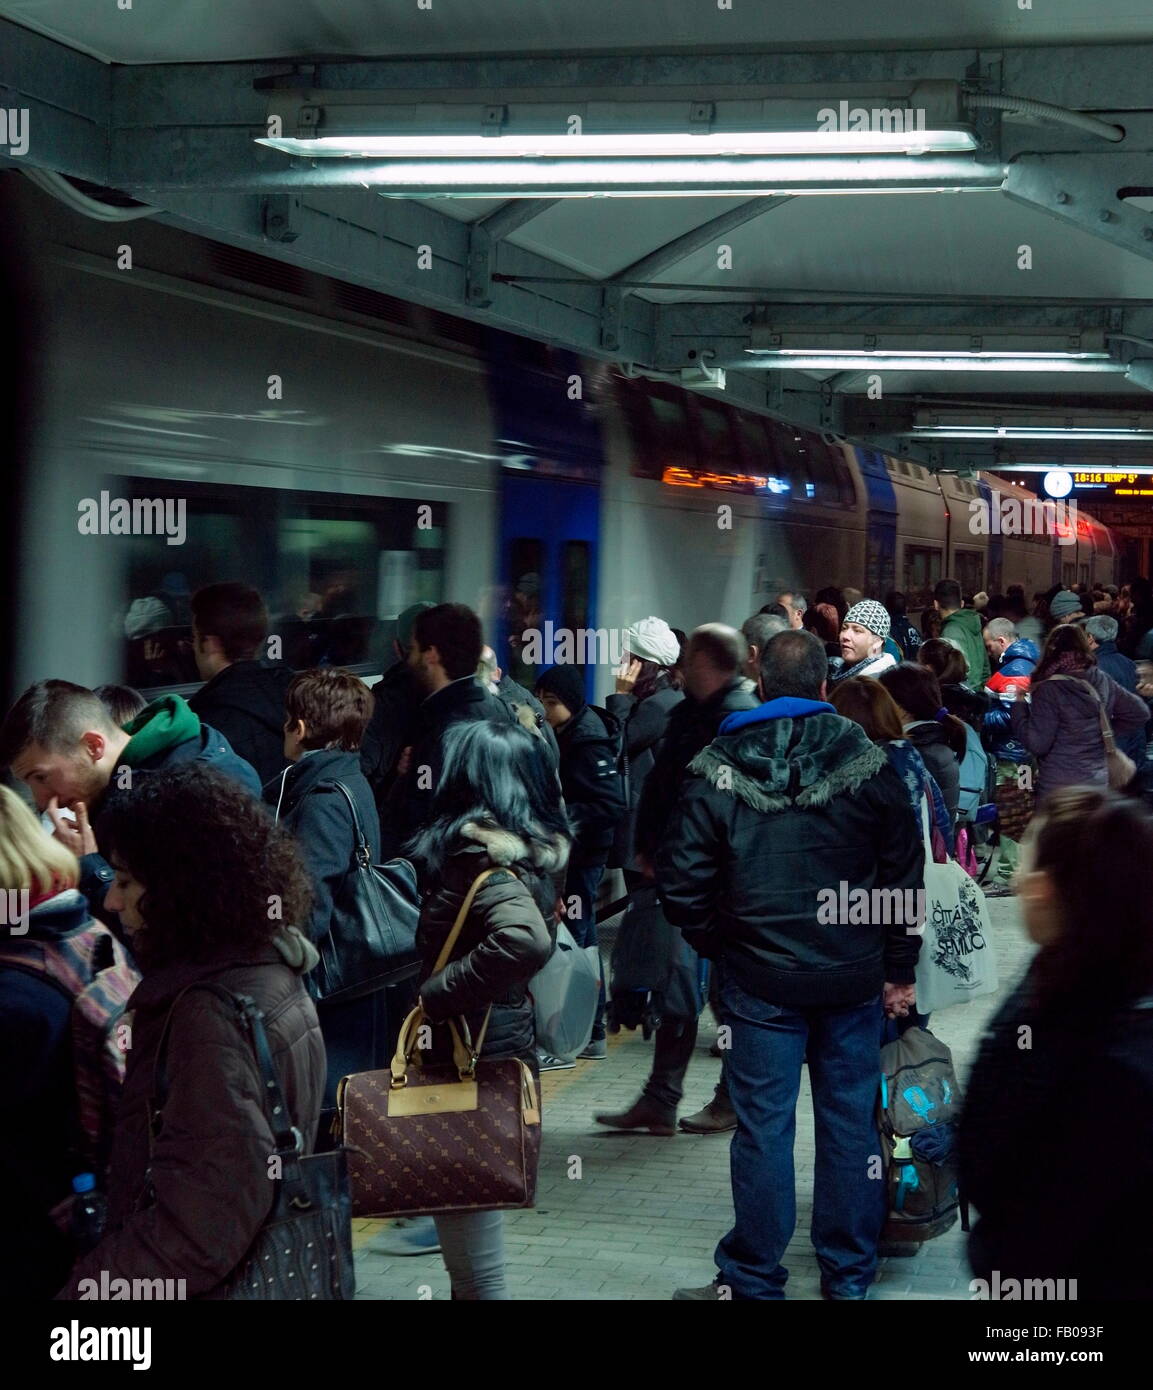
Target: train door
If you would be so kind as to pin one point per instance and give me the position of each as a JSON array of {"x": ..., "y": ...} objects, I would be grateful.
[
  {"x": 881, "y": 524},
  {"x": 995, "y": 551},
  {"x": 548, "y": 568},
  {"x": 553, "y": 456}
]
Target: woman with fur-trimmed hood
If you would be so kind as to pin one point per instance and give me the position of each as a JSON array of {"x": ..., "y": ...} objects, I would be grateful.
[{"x": 495, "y": 808}]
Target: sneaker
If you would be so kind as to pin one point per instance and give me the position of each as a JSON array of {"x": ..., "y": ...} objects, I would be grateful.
[
  {"x": 411, "y": 1236},
  {"x": 709, "y": 1294},
  {"x": 597, "y": 1051},
  {"x": 547, "y": 1062}
]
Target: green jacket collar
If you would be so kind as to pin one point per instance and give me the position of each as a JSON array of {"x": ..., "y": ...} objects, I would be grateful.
[{"x": 157, "y": 728}]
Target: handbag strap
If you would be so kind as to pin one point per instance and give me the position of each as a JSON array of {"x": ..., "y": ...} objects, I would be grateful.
[
  {"x": 363, "y": 852},
  {"x": 289, "y": 1141},
  {"x": 1102, "y": 712},
  {"x": 465, "y": 1051}
]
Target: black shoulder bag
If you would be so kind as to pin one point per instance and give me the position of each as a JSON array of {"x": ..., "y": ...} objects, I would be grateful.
[
  {"x": 372, "y": 942},
  {"x": 303, "y": 1250}
]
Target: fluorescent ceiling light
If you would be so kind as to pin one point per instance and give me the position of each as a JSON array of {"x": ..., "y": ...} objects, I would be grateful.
[
  {"x": 627, "y": 145},
  {"x": 1120, "y": 436},
  {"x": 790, "y": 360},
  {"x": 967, "y": 354}
]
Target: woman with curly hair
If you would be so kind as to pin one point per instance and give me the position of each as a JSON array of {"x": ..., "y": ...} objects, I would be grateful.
[{"x": 208, "y": 890}]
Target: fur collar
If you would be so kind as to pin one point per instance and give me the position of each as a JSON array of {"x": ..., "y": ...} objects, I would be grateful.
[
  {"x": 791, "y": 764},
  {"x": 506, "y": 849}
]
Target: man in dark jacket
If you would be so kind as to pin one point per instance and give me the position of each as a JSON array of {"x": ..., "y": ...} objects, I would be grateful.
[
  {"x": 794, "y": 817},
  {"x": 445, "y": 652},
  {"x": 714, "y": 666},
  {"x": 1102, "y": 634},
  {"x": 243, "y": 695},
  {"x": 60, "y": 740},
  {"x": 396, "y": 699}
]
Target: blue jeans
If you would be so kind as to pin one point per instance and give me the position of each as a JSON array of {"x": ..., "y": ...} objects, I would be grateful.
[{"x": 763, "y": 1068}]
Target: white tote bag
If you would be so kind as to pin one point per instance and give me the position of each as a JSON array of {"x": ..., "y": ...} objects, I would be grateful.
[
  {"x": 956, "y": 963},
  {"x": 564, "y": 992}
]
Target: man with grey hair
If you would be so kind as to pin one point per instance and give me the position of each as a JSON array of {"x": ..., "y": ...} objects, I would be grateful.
[
  {"x": 1102, "y": 634},
  {"x": 795, "y": 606},
  {"x": 757, "y": 632}
]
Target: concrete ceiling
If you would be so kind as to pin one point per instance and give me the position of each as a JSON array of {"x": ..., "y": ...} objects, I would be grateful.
[
  {"x": 221, "y": 31},
  {"x": 161, "y": 102}
]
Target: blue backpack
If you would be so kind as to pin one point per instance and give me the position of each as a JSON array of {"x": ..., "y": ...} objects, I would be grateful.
[{"x": 978, "y": 778}]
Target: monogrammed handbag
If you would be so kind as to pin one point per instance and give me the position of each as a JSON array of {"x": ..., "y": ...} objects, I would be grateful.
[{"x": 436, "y": 1138}]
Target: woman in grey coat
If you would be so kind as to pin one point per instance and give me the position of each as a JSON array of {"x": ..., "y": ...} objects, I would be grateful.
[{"x": 1060, "y": 725}]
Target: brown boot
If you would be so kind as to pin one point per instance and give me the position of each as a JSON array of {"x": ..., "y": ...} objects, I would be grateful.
[
  {"x": 716, "y": 1118},
  {"x": 645, "y": 1114}
]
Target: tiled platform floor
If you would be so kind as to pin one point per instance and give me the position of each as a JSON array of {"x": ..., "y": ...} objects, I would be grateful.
[{"x": 645, "y": 1214}]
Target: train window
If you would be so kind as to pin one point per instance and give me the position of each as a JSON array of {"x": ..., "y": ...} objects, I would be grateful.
[
  {"x": 968, "y": 569},
  {"x": 669, "y": 442},
  {"x": 718, "y": 445},
  {"x": 922, "y": 570},
  {"x": 526, "y": 568},
  {"x": 576, "y": 572},
  {"x": 792, "y": 461},
  {"x": 332, "y": 574}
]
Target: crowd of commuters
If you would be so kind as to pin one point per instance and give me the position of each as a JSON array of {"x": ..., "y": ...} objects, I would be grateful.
[{"x": 731, "y": 775}]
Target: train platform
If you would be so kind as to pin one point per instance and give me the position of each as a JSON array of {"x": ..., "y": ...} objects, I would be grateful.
[{"x": 640, "y": 1216}]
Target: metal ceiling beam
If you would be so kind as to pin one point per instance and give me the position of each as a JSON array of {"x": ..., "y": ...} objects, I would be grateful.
[
  {"x": 516, "y": 213},
  {"x": 67, "y": 100},
  {"x": 680, "y": 248},
  {"x": 484, "y": 237},
  {"x": 1082, "y": 191}
]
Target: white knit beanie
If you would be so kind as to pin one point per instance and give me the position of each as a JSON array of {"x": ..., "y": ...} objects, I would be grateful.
[
  {"x": 653, "y": 640},
  {"x": 870, "y": 614}
]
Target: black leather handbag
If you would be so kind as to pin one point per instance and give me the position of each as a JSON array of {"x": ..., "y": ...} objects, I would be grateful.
[
  {"x": 372, "y": 942},
  {"x": 303, "y": 1251}
]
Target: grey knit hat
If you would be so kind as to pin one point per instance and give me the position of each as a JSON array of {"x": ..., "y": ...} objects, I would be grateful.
[
  {"x": 870, "y": 614},
  {"x": 1062, "y": 604}
]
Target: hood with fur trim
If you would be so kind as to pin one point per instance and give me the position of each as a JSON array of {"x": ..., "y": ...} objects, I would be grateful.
[
  {"x": 779, "y": 762},
  {"x": 505, "y": 848}
]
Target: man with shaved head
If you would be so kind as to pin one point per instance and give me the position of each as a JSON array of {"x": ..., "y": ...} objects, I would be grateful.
[{"x": 714, "y": 668}]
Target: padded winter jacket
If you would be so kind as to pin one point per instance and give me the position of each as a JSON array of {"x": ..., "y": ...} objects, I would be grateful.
[
  {"x": 245, "y": 702},
  {"x": 507, "y": 937},
  {"x": 209, "y": 1169},
  {"x": 1017, "y": 665},
  {"x": 591, "y": 781},
  {"x": 788, "y": 801},
  {"x": 1061, "y": 727},
  {"x": 396, "y": 700}
]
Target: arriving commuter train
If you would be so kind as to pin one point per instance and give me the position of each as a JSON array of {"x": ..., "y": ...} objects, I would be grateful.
[{"x": 349, "y": 454}]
